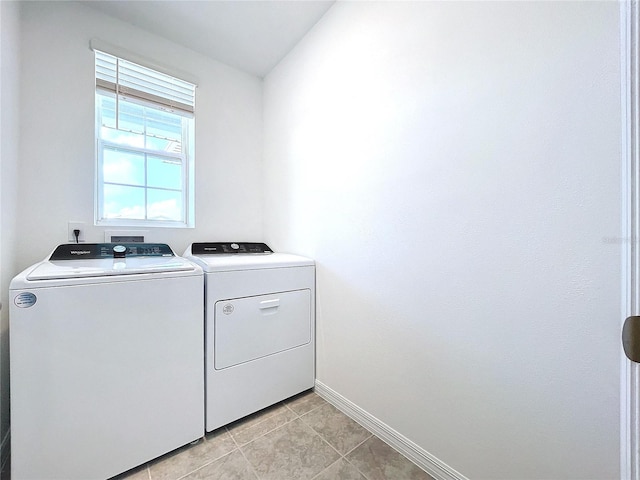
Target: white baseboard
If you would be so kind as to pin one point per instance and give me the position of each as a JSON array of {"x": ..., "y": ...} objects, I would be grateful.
[
  {"x": 430, "y": 464},
  {"x": 5, "y": 447}
]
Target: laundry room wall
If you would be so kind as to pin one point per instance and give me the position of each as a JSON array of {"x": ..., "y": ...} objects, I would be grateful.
[
  {"x": 9, "y": 122},
  {"x": 57, "y": 146},
  {"x": 454, "y": 168}
]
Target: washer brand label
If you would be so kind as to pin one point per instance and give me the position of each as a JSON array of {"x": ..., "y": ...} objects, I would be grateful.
[
  {"x": 25, "y": 300},
  {"x": 80, "y": 252},
  {"x": 227, "y": 309}
]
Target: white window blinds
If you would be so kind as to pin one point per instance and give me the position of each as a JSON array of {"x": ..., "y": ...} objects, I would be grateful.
[{"x": 129, "y": 79}]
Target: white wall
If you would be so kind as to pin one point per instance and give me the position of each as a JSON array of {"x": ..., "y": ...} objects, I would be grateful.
[
  {"x": 454, "y": 167},
  {"x": 57, "y": 131},
  {"x": 9, "y": 118}
]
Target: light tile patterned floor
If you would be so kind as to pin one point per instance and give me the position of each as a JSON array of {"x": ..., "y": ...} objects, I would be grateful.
[{"x": 301, "y": 438}]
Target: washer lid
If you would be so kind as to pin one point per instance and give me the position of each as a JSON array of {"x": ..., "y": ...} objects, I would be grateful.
[
  {"x": 107, "y": 259},
  {"x": 58, "y": 269}
]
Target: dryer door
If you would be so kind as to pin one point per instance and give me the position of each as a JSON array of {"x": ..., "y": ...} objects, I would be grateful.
[{"x": 250, "y": 328}]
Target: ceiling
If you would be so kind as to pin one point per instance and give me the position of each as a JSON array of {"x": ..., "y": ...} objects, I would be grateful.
[{"x": 252, "y": 36}]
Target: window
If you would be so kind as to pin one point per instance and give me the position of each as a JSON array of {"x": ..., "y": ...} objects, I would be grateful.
[{"x": 145, "y": 143}]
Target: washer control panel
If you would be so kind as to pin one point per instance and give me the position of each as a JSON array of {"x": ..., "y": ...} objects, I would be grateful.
[
  {"x": 212, "y": 248},
  {"x": 75, "y": 251}
]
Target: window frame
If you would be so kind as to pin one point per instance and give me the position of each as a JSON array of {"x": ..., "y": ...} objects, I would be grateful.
[{"x": 186, "y": 156}]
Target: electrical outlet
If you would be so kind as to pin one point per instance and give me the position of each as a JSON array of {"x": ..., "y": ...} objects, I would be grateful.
[{"x": 76, "y": 226}]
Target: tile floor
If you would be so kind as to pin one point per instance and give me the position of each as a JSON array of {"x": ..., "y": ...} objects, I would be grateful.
[{"x": 303, "y": 437}]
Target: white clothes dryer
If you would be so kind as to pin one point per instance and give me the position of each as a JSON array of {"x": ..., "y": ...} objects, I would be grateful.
[
  {"x": 259, "y": 327},
  {"x": 107, "y": 350}
]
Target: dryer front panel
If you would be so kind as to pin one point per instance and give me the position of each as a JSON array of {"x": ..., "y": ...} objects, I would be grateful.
[{"x": 255, "y": 327}]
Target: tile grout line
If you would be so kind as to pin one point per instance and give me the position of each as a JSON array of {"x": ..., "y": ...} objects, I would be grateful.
[
  {"x": 354, "y": 466},
  {"x": 297, "y": 416},
  {"x": 204, "y": 464},
  {"x": 233, "y": 439},
  {"x": 314, "y": 408},
  {"x": 249, "y": 463},
  {"x": 360, "y": 444},
  {"x": 257, "y": 423},
  {"x": 266, "y": 433},
  {"x": 239, "y": 447},
  {"x": 341, "y": 456},
  {"x": 325, "y": 441},
  {"x": 344, "y": 456},
  {"x": 313, "y": 431},
  {"x": 371, "y": 435},
  {"x": 326, "y": 468},
  {"x": 194, "y": 471}
]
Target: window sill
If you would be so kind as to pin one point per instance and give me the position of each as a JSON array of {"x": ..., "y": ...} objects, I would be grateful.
[{"x": 121, "y": 223}]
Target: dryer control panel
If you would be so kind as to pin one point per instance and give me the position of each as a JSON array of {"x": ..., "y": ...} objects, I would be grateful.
[
  {"x": 75, "y": 251},
  {"x": 212, "y": 248}
]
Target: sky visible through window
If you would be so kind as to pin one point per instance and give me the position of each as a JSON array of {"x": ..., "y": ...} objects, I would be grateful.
[{"x": 142, "y": 162}]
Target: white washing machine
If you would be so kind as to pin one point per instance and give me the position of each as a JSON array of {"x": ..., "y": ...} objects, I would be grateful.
[
  {"x": 107, "y": 350},
  {"x": 260, "y": 327}
]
